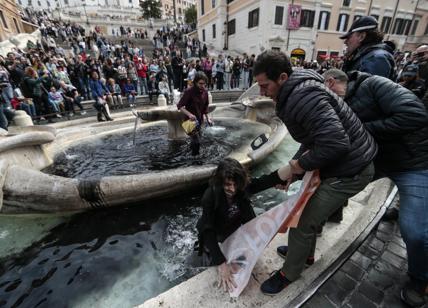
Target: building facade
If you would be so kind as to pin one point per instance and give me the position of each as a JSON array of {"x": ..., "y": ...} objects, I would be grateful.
[
  {"x": 10, "y": 20},
  {"x": 180, "y": 7},
  {"x": 306, "y": 29}
]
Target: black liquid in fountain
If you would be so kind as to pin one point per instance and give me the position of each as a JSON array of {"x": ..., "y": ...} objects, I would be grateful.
[{"x": 153, "y": 151}]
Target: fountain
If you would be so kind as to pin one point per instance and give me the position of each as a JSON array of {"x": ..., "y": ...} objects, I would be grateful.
[
  {"x": 153, "y": 170},
  {"x": 125, "y": 256}
]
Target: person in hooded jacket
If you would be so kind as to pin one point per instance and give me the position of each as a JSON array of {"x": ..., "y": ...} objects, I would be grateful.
[
  {"x": 398, "y": 121},
  {"x": 333, "y": 141},
  {"x": 365, "y": 50}
]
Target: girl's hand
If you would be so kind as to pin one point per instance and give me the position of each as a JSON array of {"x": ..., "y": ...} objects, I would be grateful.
[{"x": 225, "y": 277}]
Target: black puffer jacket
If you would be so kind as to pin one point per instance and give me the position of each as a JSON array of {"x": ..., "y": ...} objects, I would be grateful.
[
  {"x": 324, "y": 124},
  {"x": 395, "y": 117}
]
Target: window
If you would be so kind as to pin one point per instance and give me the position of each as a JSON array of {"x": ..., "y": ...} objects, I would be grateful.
[
  {"x": 231, "y": 27},
  {"x": 65, "y": 2},
  {"x": 307, "y": 18},
  {"x": 342, "y": 23},
  {"x": 407, "y": 25},
  {"x": 30, "y": 3},
  {"x": 253, "y": 18},
  {"x": 203, "y": 35},
  {"x": 214, "y": 34},
  {"x": 346, "y": 3},
  {"x": 279, "y": 15},
  {"x": 426, "y": 30},
  {"x": 324, "y": 20},
  {"x": 16, "y": 26},
  {"x": 398, "y": 26},
  {"x": 3, "y": 20},
  {"x": 375, "y": 16},
  {"x": 213, "y": 3},
  {"x": 386, "y": 24},
  {"x": 415, "y": 26},
  {"x": 202, "y": 7},
  {"x": 321, "y": 55},
  {"x": 48, "y": 3},
  {"x": 20, "y": 2},
  {"x": 179, "y": 10},
  {"x": 130, "y": 1},
  {"x": 39, "y": 3}
]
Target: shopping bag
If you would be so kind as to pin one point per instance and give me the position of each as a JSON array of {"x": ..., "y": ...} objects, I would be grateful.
[{"x": 243, "y": 247}]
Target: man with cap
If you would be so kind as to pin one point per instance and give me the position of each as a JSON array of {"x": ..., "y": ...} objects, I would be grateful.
[
  {"x": 365, "y": 51},
  {"x": 412, "y": 81}
]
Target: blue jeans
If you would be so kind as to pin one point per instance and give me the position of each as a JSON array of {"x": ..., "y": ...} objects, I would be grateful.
[
  {"x": 413, "y": 189},
  {"x": 143, "y": 86}
]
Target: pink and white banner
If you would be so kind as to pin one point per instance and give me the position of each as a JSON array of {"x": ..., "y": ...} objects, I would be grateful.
[
  {"x": 243, "y": 247},
  {"x": 294, "y": 12}
]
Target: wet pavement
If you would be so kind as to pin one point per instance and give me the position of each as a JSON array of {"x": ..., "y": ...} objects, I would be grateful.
[{"x": 372, "y": 277}]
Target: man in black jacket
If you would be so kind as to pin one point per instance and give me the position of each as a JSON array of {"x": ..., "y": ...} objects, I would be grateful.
[
  {"x": 398, "y": 120},
  {"x": 333, "y": 140}
]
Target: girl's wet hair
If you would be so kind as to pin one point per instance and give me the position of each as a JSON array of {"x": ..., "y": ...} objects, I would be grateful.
[{"x": 231, "y": 169}]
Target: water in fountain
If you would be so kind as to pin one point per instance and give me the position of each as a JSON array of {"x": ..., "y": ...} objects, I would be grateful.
[
  {"x": 117, "y": 155},
  {"x": 113, "y": 258}
]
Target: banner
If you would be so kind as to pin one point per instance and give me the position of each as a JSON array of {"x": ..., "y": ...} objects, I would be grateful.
[
  {"x": 294, "y": 12},
  {"x": 243, "y": 247}
]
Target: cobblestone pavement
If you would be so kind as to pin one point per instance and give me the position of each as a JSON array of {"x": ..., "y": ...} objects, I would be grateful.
[{"x": 372, "y": 277}]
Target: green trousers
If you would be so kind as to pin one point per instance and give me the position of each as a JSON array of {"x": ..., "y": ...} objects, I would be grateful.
[{"x": 330, "y": 196}]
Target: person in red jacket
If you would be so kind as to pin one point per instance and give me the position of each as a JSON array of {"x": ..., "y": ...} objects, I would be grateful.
[
  {"x": 194, "y": 104},
  {"x": 142, "y": 69}
]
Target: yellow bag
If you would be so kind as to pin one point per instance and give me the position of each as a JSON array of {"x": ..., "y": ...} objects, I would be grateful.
[{"x": 189, "y": 126}]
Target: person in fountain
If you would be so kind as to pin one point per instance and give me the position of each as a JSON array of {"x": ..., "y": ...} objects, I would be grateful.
[
  {"x": 226, "y": 206},
  {"x": 398, "y": 121},
  {"x": 333, "y": 140},
  {"x": 194, "y": 104}
]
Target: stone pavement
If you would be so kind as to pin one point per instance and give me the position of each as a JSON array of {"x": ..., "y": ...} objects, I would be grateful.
[{"x": 372, "y": 277}]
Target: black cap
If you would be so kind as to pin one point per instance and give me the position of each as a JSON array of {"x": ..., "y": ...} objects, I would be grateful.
[{"x": 363, "y": 23}]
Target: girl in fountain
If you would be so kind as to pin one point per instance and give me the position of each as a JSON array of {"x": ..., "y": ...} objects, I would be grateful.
[
  {"x": 194, "y": 104},
  {"x": 226, "y": 206}
]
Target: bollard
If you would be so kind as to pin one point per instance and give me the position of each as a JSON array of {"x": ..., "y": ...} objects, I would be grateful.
[
  {"x": 21, "y": 118},
  {"x": 161, "y": 100}
]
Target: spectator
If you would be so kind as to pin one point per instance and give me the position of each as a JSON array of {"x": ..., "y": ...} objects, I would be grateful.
[
  {"x": 130, "y": 92},
  {"x": 56, "y": 100},
  {"x": 115, "y": 91}
]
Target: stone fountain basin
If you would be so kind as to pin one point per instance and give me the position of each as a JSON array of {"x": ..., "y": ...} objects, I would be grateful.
[{"x": 27, "y": 189}]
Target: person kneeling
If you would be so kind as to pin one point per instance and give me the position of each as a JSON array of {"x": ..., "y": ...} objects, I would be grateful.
[{"x": 227, "y": 206}]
